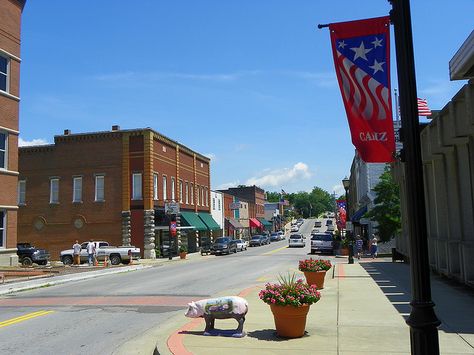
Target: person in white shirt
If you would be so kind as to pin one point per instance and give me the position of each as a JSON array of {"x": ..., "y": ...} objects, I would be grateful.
[
  {"x": 91, "y": 252},
  {"x": 77, "y": 253},
  {"x": 373, "y": 246}
]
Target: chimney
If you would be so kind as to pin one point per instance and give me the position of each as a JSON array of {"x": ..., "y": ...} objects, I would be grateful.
[
  {"x": 115, "y": 128},
  {"x": 67, "y": 132}
]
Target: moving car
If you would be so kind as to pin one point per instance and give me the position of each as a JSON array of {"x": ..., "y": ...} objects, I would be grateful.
[
  {"x": 322, "y": 242},
  {"x": 295, "y": 228},
  {"x": 224, "y": 245},
  {"x": 330, "y": 228},
  {"x": 329, "y": 222},
  {"x": 28, "y": 254},
  {"x": 318, "y": 224},
  {"x": 241, "y": 244},
  {"x": 257, "y": 240},
  {"x": 116, "y": 255},
  {"x": 296, "y": 240}
]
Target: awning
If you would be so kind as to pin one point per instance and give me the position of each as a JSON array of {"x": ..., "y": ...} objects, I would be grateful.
[
  {"x": 255, "y": 223},
  {"x": 359, "y": 213},
  {"x": 192, "y": 219},
  {"x": 234, "y": 223},
  {"x": 266, "y": 224},
  {"x": 209, "y": 221}
]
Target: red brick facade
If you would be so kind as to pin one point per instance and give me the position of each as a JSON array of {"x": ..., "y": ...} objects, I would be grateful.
[
  {"x": 10, "y": 25},
  {"x": 116, "y": 155}
]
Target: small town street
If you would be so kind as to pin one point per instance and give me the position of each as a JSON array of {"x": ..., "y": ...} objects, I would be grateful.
[{"x": 98, "y": 315}]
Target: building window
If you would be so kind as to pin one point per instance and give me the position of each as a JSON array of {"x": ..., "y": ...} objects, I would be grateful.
[
  {"x": 180, "y": 191},
  {"x": 164, "y": 188},
  {"x": 202, "y": 196},
  {"x": 173, "y": 188},
  {"x": 186, "y": 187},
  {"x": 77, "y": 189},
  {"x": 3, "y": 149},
  {"x": 54, "y": 190},
  {"x": 4, "y": 73},
  {"x": 218, "y": 204},
  {"x": 21, "y": 192},
  {"x": 155, "y": 186},
  {"x": 198, "y": 202},
  {"x": 192, "y": 194},
  {"x": 100, "y": 188},
  {"x": 137, "y": 186},
  {"x": 3, "y": 227},
  {"x": 213, "y": 204},
  {"x": 207, "y": 197}
]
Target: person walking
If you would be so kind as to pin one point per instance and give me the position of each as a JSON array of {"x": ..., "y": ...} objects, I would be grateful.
[
  {"x": 373, "y": 246},
  {"x": 359, "y": 243},
  {"x": 77, "y": 253},
  {"x": 91, "y": 252}
]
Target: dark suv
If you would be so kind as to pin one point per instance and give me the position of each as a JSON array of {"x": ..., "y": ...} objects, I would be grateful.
[
  {"x": 28, "y": 254},
  {"x": 224, "y": 245}
]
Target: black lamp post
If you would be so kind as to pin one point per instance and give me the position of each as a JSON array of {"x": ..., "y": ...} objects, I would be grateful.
[{"x": 346, "y": 183}]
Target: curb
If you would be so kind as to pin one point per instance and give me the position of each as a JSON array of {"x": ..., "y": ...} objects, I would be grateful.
[{"x": 32, "y": 284}]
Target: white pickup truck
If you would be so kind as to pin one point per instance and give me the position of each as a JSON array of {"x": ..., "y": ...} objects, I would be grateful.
[{"x": 116, "y": 255}]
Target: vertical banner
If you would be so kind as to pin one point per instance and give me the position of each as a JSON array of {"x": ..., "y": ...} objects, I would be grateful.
[{"x": 361, "y": 51}]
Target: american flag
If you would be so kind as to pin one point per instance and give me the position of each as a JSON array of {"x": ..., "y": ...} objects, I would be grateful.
[
  {"x": 361, "y": 51},
  {"x": 423, "y": 109}
]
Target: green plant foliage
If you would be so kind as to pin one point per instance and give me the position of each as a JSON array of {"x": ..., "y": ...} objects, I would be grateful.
[
  {"x": 387, "y": 207},
  {"x": 183, "y": 248}
]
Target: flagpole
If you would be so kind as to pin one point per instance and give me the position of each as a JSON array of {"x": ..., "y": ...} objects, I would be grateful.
[
  {"x": 397, "y": 107},
  {"x": 422, "y": 321}
]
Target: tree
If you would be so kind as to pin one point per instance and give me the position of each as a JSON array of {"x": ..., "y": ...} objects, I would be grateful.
[
  {"x": 387, "y": 207},
  {"x": 273, "y": 196},
  {"x": 311, "y": 204}
]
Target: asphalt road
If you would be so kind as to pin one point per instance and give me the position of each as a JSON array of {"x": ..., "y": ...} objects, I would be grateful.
[{"x": 98, "y": 315}]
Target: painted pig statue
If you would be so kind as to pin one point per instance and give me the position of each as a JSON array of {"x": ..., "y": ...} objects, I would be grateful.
[{"x": 219, "y": 308}]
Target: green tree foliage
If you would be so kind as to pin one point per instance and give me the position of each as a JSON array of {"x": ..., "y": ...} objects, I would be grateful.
[
  {"x": 273, "y": 196},
  {"x": 387, "y": 207}
]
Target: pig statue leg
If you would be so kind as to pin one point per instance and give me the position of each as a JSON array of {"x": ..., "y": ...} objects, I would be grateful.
[
  {"x": 209, "y": 323},
  {"x": 240, "y": 328}
]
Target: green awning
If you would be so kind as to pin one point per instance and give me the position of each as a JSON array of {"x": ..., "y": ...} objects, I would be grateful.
[
  {"x": 209, "y": 221},
  {"x": 191, "y": 219},
  {"x": 266, "y": 224}
]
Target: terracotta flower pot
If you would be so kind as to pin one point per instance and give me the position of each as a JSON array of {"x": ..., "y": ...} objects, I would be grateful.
[
  {"x": 345, "y": 251},
  {"x": 315, "y": 278},
  {"x": 290, "y": 322},
  {"x": 182, "y": 255}
]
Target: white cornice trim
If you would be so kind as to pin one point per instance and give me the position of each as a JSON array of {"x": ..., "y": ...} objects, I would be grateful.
[
  {"x": 9, "y": 172},
  {"x": 5, "y": 207},
  {"x": 8, "y": 54},
  {"x": 9, "y": 130},
  {"x": 10, "y": 96}
]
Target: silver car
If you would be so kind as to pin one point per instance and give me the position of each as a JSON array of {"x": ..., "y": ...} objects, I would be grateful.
[
  {"x": 322, "y": 242},
  {"x": 296, "y": 240},
  {"x": 241, "y": 245}
]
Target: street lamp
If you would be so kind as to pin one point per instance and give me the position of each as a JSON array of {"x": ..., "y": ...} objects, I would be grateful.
[{"x": 346, "y": 183}]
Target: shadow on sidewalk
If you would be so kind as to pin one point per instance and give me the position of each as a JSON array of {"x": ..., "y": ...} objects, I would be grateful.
[
  {"x": 454, "y": 303},
  {"x": 268, "y": 335}
]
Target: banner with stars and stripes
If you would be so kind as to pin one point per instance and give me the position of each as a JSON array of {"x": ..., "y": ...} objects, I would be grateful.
[{"x": 361, "y": 51}]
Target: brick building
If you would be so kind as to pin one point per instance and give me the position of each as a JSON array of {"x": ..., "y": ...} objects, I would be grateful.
[
  {"x": 112, "y": 186},
  {"x": 10, "y": 24},
  {"x": 255, "y": 196}
]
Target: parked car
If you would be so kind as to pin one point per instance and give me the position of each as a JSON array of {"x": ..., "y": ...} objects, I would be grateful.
[
  {"x": 266, "y": 239},
  {"x": 116, "y": 255},
  {"x": 275, "y": 237},
  {"x": 322, "y": 242},
  {"x": 257, "y": 240},
  {"x": 224, "y": 245},
  {"x": 241, "y": 244},
  {"x": 28, "y": 254},
  {"x": 296, "y": 240}
]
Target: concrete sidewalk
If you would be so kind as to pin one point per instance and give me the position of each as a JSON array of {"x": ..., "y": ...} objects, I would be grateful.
[{"x": 360, "y": 312}]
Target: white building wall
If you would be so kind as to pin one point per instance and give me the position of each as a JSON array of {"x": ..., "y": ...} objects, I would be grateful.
[{"x": 217, "y": 207}]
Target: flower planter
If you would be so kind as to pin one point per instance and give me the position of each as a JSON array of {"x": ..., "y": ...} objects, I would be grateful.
[
  {"x": 290, "y": 321},
  {"x": 182, "y": 255},
  {"x": 345, "y": 251},
  {"x": 315, "y": 278}
]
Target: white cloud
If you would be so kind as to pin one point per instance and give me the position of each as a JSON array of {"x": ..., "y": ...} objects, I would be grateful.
[
  {"x": 227, "y": 185},
  {"x": 211, "y": 156},
  {"x": 279, "y": 177},
  {"x": 339, "y": 190},
  {"x": 38, "y": 141}
]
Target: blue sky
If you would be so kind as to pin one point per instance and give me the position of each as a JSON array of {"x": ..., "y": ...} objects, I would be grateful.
[{"x": 249, "y": 83}]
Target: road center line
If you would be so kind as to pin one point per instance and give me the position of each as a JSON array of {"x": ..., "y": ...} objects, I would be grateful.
[
  {"x": 8, "y": 322},
  {"x": 274, "y": 251}
]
